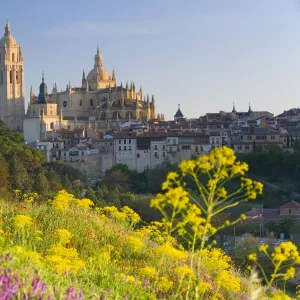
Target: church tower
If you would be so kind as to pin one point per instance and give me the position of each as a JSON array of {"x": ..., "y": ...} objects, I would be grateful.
[{"x": 12, "y": 90}]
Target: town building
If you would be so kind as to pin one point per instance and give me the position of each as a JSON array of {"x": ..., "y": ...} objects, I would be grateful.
[{"x": 12, "y": 88}]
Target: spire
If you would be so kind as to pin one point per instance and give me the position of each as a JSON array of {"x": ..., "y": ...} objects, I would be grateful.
[
  {"x": 249, "y": 110},
  {"x": 83, "y": 75},
  {"x": 121, "y": 84},
  {"x": 133, "y": 86},
  {"x": 31, "y": 90},
  {"x": 147, "y": 98},
  {"x": 98, "y": 52},
  {"x": 113, "y": 75},
  {"x": 7, "y": 28},
  {"x": 43, "y": 79},
  {"x": 153, "y": 100},
  {"x": 126, "y": 85},
  {"x": 20, "y": 53},
  {"x": 141, "y": 90},
  {"x": 233, "y": 108}
]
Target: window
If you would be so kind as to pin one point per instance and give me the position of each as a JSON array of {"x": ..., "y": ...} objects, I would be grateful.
[
  {"x": 239, "y": 147},
  {"x": 129, "y": 142},
  {"x": 272, "y": 137},
  {"x": 138, "y": 155},
  {"x": 91, "y": 102},
  {"x": 170, "y": 149},
  {"x": 290, "y": 211},
  {"x": 82, "y": 153},
  {"x": 247, "y": 147},
  {"x": 155, "y": 154},
  {"x": 52, "y": 126},
  {"x": 80, "y": 102},
  {"x": 65, "y": 154},
  {"x": 261, "y": 137},
  {"x": 1, "y": 77},
  {"x": 65, "y": 103},
  {"x": 124, "y": 141},
  {"x": 164, "y": 147},
  {"x": 212, "y": 140},
  {"x": 155, "y": 147},
  {"x": 217, "y": 140},
  {"x": 178, "y": 149},
  {"x": 164, "y": 154},
  {"x": 17, "y": 77},
  {"x": 174, "y": 141},
  {"x": 119, "y": 141},
  {"x": 201, "y": 148},
  {"x": 13, "y": 57},
  {"x": 120, "y": 148},
  {"x": 196, "y": 149},
  {"x": 249, "y": 137},
  {"x": 10, "y": 77},
  {"x": 125, "y": 148},
  {"x": 129, "y": 148},
  {"x": 168, "y": 140}
]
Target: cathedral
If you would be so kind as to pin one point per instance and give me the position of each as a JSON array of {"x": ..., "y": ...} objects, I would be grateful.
[
  {"x": 12, "y": 91},
  {"x": 99, "y": 104}
]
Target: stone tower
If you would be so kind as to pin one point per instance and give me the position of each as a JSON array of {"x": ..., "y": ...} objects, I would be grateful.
[{"x": 12, "y": 91}]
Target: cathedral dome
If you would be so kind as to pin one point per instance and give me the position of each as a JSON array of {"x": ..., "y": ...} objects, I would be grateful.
[
  {"x": 103, "y": 74},
  {"x": 8, "y": 38},
  {"x": 98, "y": 70}
]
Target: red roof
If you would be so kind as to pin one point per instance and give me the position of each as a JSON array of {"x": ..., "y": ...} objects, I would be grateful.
[{"x": 292, "y": 204}]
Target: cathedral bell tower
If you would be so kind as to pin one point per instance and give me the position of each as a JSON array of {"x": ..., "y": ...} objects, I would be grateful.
[{"x": 12, "y": 91}]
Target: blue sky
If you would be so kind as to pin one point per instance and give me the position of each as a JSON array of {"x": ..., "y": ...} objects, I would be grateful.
[{"x": 203, "y": 54}]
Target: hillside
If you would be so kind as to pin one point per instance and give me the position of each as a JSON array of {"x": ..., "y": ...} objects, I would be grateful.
[
  {"x": 66, "y": 248},
  {"x": 24, "y": 168}
]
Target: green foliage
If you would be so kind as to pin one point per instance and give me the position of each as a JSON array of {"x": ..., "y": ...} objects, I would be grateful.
[{"x": 25, "y": 168}]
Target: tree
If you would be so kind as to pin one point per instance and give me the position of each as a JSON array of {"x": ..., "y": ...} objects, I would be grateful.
[
  {"x": 117, "y": 179},
  {"x": 285, "y": 225},
  {"x": 90, "y": 194},
  {"x": 288, "y": 142},
  {"x": 41, "y": 185},
  {"x": 4, "y": 176},
  {"x": 19, "y": 177},
  {"x": 66, "y": 182}
]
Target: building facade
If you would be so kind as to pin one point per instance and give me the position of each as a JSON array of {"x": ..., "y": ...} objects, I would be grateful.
[
  {"x": 99, "y": 103},
  {"x": 12, "y": 91}
]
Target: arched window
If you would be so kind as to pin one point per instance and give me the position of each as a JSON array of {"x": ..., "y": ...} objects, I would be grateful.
[
  {"x": 51, "y": 125},
  {"x": 17, "y": 77},
  {"x": 10, "y": 77},
  {"x": 13, "y": 57},
  {"x": 80, "y": 102},
  {"x": 91, "y": 102}
]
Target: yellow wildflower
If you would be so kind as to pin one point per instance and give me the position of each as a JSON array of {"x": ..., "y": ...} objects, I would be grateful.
[
  {"x": 85, "y": 203},
  {"x": 147, "y": 272},
  {"x": 184, "y": 271},
  {"x": 21, "y": 221},
  {"x": 263, "y": 248},
  {"x": 164, "y": 284},
  {"x": 252, "y": 257},
  {"x": 171, "y": 252},
  {"x": 135, "y": 243},
  {"x": 64, "y": 236}
]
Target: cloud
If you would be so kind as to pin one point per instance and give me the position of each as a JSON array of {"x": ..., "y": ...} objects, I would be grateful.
[{"x": 83, "y": 29}]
